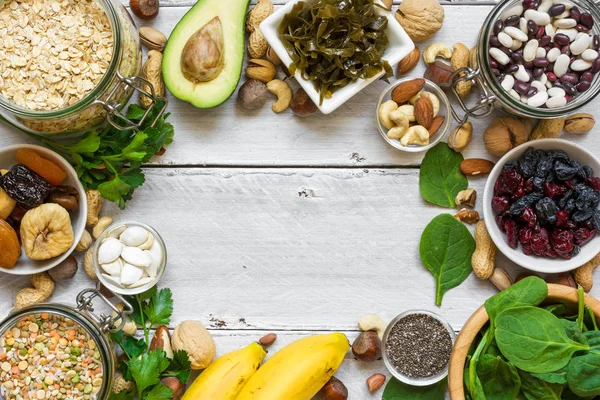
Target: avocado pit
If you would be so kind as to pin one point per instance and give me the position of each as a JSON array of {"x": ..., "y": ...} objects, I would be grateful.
[{"x": 203, "y": 56}]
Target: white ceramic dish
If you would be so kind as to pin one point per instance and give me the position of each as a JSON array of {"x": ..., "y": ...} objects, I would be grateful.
[
  {"x": 532, "y": 262},
  {"x": 400, "y": 45},
  {"x": 25, "y": 266}
]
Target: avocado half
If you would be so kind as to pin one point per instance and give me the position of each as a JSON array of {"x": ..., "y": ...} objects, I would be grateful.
[{"x": 232, "y": 14}]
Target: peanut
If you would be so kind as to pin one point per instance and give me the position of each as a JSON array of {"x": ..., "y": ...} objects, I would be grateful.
[
  {"x": 484, "y": 257},
  {"x": 152, "y": 72},
  {"x": 43, "y": 287},
  {"x": 583, "y": 274}
]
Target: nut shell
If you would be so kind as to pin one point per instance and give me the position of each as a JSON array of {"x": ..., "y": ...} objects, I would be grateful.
[
  {"x": 579, "y": 123},
  {"x": 193, "y": 337},
  {"x": 504, "y": 134},
  {"x": 421, "y": 19}
]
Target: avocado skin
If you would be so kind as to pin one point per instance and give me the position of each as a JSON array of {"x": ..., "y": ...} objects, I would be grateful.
[{"x": 232, "y": 14}]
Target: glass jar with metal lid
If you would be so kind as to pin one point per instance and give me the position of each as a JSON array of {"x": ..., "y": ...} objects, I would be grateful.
[
  {"x": 99, "y": 60},
  {"x": 57, "y": 351},
  {"x": 492, "y": 95}
]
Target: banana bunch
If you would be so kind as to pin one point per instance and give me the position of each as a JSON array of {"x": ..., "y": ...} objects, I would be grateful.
[{"x": 296, "y": 372}]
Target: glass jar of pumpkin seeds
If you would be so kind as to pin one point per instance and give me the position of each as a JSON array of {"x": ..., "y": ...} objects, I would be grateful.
[
  {"x": 59, "y": 352},
  {"x": 68, "y": 66}
]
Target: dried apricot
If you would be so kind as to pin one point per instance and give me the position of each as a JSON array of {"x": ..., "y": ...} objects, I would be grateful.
[
  {"x": 43, "y": 167},
  {"x": 10, "y": 249}
]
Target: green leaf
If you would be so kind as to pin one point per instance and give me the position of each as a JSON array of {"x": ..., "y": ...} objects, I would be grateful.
[
  {"x": 583, "y": 375},
  {"x": 534, "y": 339},
  {"x": 122, "y": 395},
  {"x": 131, "y": 346},
  {"x": 440, "y": 179},
  {"x": 559, "y": 377},
  {"x": 160, "y": 392},
  {"x": 557, "y": 309},
  {"x": 530, "y": 291},
  {"x": 180, "y": 365},
  {"x": 396, "y": 390},
  {"x": 499, "y": 379},
  {"x": 536, "y": 389},
  {"x": 446, "y": 250},
  {"x": 160, "y": 308},
  {"x": 146, "y": 370}
]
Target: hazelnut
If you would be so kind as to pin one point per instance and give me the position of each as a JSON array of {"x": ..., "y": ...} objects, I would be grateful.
[
  {"x": 301, "y": 104},
  {"x": 253, "y": 94},
  {"x": 65, "y": 270},
  {"x": 565, "y": 279},
  {"x": 65, "y": 196},
  {"x": 145, "y": 9},
  {"x": 334, "y": 389},
  {"x": 439, "y": 72},
  {"x": 175, "y": 385},
  {"x": 367, "y": 346}
]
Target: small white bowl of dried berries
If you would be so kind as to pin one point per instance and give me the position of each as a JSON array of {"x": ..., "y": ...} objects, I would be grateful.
[{"x": 541, "y": 205}]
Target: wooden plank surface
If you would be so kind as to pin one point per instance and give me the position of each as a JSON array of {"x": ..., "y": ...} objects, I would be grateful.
[{"x": 231, "y": 136}]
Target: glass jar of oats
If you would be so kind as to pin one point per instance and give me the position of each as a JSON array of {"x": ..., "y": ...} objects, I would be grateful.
[{"x": 68, "y": 66}]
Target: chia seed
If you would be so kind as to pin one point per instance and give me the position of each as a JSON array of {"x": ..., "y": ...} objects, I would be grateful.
[{"x": 419, "y": 346}]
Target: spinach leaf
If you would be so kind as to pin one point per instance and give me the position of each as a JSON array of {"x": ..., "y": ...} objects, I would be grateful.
[
  {"x": 440, "y": 179},
  {"x": 569, "y": 395},
  {"x": 534, "y": 339},
  {"x": 557, "y": 309},
  {"x": 536, "y": 389},
  {"x": 573, "y": 331},
  {"x": 396, "y": 390},
  {"x": 583, "y": 375},
  {"x": 559, "y": 377},
  {"x": 500, "y": 380},
  {"x": 593, "y": 339},
  {"x": 446, "y": 250},
  {"x": 530, "y": 291}
]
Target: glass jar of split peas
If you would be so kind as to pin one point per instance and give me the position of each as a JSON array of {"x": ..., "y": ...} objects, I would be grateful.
[{"x": 52, "y": 351}]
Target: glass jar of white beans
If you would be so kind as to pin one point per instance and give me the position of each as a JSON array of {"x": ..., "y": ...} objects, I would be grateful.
[{"x": 537, "y": 58}]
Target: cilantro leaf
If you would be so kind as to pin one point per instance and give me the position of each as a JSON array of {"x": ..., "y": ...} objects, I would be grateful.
[
  {"x": 160, "y": 392},
  {"x": 122, "y": 395},
  {"x": 180, "y": 365},
  {"x": 159, "y": 309},
  {"x": 131, "y": 346},
  {"x": 146, "y": 370}
]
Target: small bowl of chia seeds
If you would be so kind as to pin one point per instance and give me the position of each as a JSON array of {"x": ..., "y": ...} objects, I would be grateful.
[{"x": 416, "y": 347}]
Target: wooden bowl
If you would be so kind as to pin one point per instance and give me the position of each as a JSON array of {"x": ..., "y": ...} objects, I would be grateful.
[{"x": 556, "y": 294}]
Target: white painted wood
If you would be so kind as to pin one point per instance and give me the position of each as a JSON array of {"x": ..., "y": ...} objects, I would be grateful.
[
  {"x": 308, "y": 249},
  {"x": 231, "y": 136}
]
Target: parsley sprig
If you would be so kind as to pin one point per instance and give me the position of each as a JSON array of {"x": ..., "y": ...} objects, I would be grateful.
[
  {"x": 110, "y": 160},
  {"x": 147, "y": 367}
]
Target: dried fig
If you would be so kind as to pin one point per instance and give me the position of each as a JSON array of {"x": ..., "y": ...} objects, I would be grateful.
[
  {"x": 9, "y": 243},
  {"x": 46, "y": 232}
]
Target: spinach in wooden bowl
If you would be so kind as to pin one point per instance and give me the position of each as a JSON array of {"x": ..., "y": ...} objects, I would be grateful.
[{"x": 530, "y": 350}]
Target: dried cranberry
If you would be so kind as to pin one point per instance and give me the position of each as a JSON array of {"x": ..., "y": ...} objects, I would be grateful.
[
  {"x": 553, "y": 190},
  {"x": 594, "y": 182},
  {"x": 539, "y": 242},
  {"x": 528, "y": 216},
  {"x": 562, "y": 242},
  {"x": 528, "y": 185},
  {"x": 500, "y": 204},
  {"x": 500, "y": 221},
  {"x": 583, "y": 236},
  {"x": 509, "y": 182},
  {"x": 525, "y": 235},
  {"x": 562, "y": 218},
  {"x": 527, "y": 249},
  {"x": 512, "y": 233}
]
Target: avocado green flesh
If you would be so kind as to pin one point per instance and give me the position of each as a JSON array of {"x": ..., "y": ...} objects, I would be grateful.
[{"x": 232, "y": 14}]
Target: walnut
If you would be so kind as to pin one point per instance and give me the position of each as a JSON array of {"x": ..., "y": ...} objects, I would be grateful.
[
  {"x": 193, "y": 337},
  {"x": 421, "y": 19},
  {"x": 504, "y": 134}
]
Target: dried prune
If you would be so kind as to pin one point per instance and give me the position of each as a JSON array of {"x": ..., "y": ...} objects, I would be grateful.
[
  {"x": 529, "y": 162},
  {"x": 25, "y": 186},
  {"x": 546, "y": 211},
  {"x": 519, "y": 206}
]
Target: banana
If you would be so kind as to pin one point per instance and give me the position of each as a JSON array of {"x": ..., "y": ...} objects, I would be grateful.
[
  {"x": 299, "y": 370},
  {"x": 225, "y": 377}
]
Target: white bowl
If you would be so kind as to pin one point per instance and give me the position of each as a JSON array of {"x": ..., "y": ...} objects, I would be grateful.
[
  {"x": 400, "y": 45},
  {"x": 533, "y": 262},
  {"x": 24, "y": 265}
]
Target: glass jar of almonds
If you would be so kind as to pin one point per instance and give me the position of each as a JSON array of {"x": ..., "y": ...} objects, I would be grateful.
[{"x": 67, "y": 66}]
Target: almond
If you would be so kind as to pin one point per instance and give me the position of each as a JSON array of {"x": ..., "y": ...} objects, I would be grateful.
[
  {"x": 375, "y": 381},
  {"x": 436, "y": 124},
  {"x": 406, "y": 90},
  {"x": 409, "y": 62},
  {"x": 476, "y": 166},
  {"x": 268, "y": 339},
  {"x": 424, "y": 112}
]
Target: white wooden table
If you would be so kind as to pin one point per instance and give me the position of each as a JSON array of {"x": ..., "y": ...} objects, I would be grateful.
[{"x": 296, "y": 226}]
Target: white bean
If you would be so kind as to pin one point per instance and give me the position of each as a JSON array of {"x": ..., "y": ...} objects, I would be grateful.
[
  {"x": 589, "y": 55},
  {"x": 556, "y": 101},
  {"x": 565, "y": 23},
  {"x": 567, "y": 3},
  {"x": 580, "y": 34},
  {"x": 549, "y": 84},
  {"x": 545, "y": 5},
  {"x": 505, "y": 40},
  {"x": 539, "y": 86},
  {"x": 556, "y": 91},
  {"x": 522, "y": 74},
  {"x": 550, "y": 30},
  {"x": 523, "y": 25},
  {"x": 541, "y": 52},
  {"x": 516, "y": 10},
  {"x": 580, "y": 65},
  {"x": 538, "y": 99},
  {"x": 508, "y": 82},
  {"x": 571, "y": 33},
  {"x": 516, "y": 33},
  {"x": 565, "y": 14},
  {"x": 553, "y": 54},
  {"x": 543, "y": 79},
  {"x": 540, "y": 18},
  {"x": 517, "y": 44},
  {"x": 524, "y": 99},
  {"x": 499, "y": 56},
  {"x": 514, "y": 94},
  {"x": 530, "y": 50},
  {"x": 561, "y": 65},
  {"x": 580, "y": 45}
]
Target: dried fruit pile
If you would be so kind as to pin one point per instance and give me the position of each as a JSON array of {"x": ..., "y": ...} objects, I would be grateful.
[
  {"x": 44, "y": 230},
  {"x": 548, "y": 203}
]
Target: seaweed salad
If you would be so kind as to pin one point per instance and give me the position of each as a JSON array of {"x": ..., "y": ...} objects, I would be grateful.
[{"x": 335, "y": 42}]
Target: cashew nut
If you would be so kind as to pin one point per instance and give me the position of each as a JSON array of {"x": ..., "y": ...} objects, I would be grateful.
[
  {"x": 94, "y": 206},
  {"x": 417, "y": 134},
  {"x": 402, "y": 124},
  {"x": 583, "y": 274},
  {"x": 384, "y": 113},
  {"x": 483, "y": 260},
  {"x": 85, "y": 242},
  {"x": 371, "y": 322},
  {"x": 88, "y": 264},
  {"x": 436, "y": 50},
  {"x": 434, "y": 100},
  {"x": 409, "y": 111},
  {"x": 283, "y": 92},
  {"x": 102, "y": 224},
  {"x": 43, "y": 287}
]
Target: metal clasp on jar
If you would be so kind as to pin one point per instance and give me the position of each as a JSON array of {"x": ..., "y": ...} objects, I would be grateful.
[
  {"x": 105, "y": 322},
  {"x": 113, "y": 105},
  {"x": 485, "y": 104}
]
